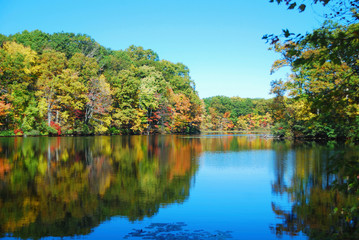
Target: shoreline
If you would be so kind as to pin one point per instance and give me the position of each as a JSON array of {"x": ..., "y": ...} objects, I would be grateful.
[{"x": 265, "y": 134}]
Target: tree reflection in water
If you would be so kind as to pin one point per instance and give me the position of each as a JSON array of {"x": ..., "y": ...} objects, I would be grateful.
[
  {"x": 324, "y": 191},
  {"x": 66, "y": 186}
]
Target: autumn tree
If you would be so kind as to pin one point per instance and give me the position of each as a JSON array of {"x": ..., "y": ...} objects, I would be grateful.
[
  {"x": 125, "y": 112},
  {"x": 52, "y": 64},
  {"x": 18, "y": 70},
  {"x": 98, "y": 107},
  {"x": 324, "y": 85}
]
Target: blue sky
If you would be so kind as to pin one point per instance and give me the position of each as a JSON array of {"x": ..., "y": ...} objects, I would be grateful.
[{"x": 220, "y": 41}]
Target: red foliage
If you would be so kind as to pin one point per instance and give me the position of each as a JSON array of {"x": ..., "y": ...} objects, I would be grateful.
[
  {"x": 156, "y": 116},
  {"x": 56, "y": 126},
  {"x": 16, "y": 131},
  {"x": 79, "y": 114}
]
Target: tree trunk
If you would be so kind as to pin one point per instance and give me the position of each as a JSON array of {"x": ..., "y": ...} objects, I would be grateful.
[
  {"x": 49, "y": 114},
  {"x": 88, "y": 113},
  {"x": 57, "y": 116}
]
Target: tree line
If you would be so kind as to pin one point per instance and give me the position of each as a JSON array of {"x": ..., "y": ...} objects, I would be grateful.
[
  {"x": 236, "y": 114},
  {"x": 68, "y": 84},
  {"x": 65, "y": 83}
]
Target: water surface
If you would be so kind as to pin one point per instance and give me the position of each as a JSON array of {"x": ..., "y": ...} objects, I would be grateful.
[{"x": 171, "y": 187}]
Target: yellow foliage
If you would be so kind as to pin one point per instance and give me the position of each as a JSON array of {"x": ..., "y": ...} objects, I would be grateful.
[
  {"x": 30, "y": 56},
  {"x": 301, "y": 110},
  {"x": 103, "y": 127},
  {"x": 105, "y": 183},
  {"x": 42, "y": 106},
  {"x": 137, "y": 123},
  {"x": 278, "y": 64},
  {"x": 42, "y": 167},
  {"x": 65, "y": 155}
]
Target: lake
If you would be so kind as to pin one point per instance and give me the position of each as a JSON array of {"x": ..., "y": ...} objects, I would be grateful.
[{"x": 177, "y": 187}]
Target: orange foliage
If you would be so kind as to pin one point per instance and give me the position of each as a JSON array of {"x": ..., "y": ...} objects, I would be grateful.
[
  {"x": 181, "y": 157},
  {"x": 4, "y": 107},
  {"x": 4, "y": 167}
]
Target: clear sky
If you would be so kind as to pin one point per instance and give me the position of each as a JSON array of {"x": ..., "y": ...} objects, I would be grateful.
[{"x": 219, "y": 40}]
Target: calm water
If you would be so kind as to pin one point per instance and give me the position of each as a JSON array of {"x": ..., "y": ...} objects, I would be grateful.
[{"x": 171, "y": 187}]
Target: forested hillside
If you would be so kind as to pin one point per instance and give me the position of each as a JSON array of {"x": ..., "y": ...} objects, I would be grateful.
[
  {"x": 68, "y": 84},
  {"x": 236, "y": 114},
  {"x": 65, "y": 83}
]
